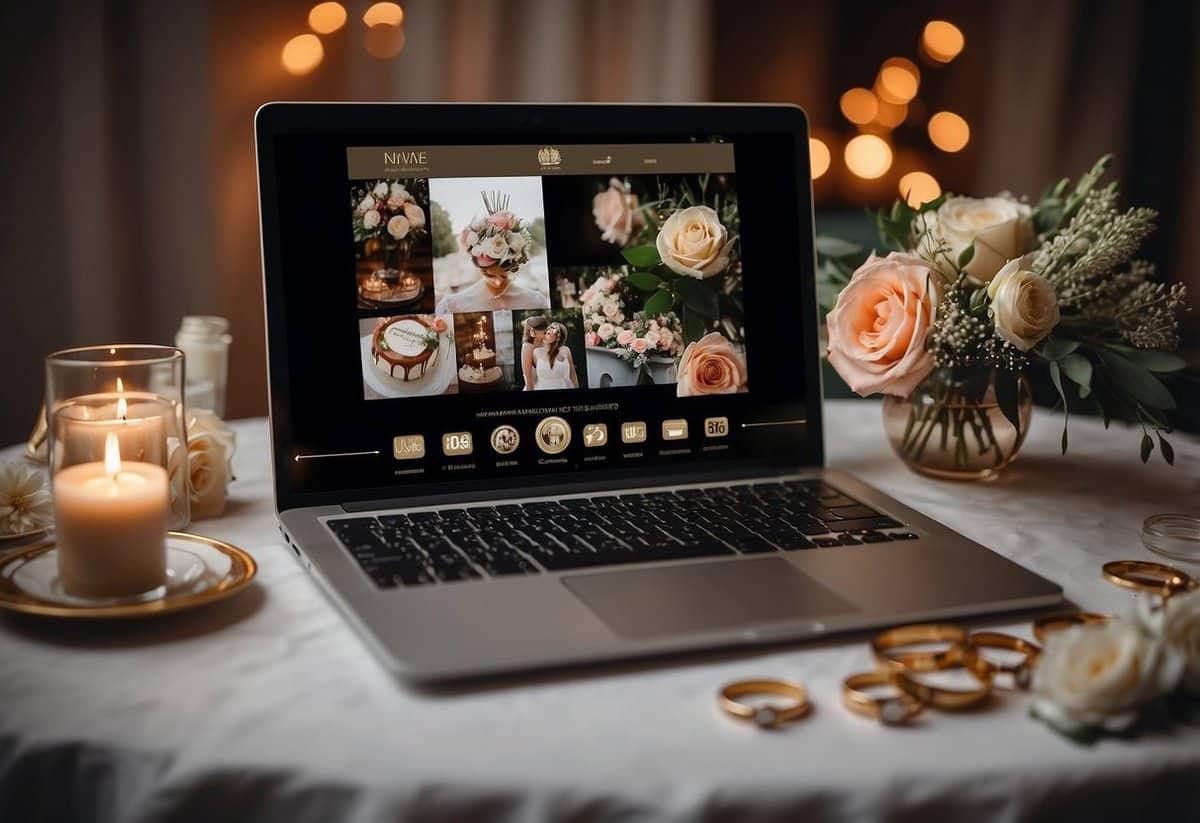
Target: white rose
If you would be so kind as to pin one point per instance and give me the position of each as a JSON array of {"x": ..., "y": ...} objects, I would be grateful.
[
  {"x": 1000, "y": 227},
  {"x": 1098, "y": 675},
  {"x": 1023, "y": 306},
  {"x": 371, "y": 219},
  {"x": 381, "y": 189},
  {"x": 496, "y": 247},
  {"x": 398, "y": 192},
  {"x": 398, "y": 227},
  {"x": 415, "y": 215},
  {"x": 208, "y": 476},
  {"x": 204, "y": 421},
  {"x": 516, "y": 241},
  {"x": 472, "y": 241},
  {"x": 1178, "y": 624},
  {"x": 693, "y": 242},
  {"x": 367, "y": 204},
  {"x": 605, "y": 330}
]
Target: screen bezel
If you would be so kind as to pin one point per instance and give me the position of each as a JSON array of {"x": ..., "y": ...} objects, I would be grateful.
[{"x": 522, "y": 123}]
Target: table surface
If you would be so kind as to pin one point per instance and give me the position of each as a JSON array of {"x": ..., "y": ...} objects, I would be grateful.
[{"x": 269, "y": 708}]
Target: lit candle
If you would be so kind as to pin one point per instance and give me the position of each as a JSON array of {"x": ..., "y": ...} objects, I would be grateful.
[
  {"x": 111, "y": 522},
  {"x": 138, "y": 427}
]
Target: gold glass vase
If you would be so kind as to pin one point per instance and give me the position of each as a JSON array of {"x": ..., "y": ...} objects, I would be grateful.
[{"x": 953, "y": 427}]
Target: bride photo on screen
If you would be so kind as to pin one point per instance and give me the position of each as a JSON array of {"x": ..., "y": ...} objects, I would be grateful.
[{"x": 550, "y": 350}]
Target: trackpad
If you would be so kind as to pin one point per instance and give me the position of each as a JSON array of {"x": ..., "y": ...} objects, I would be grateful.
[{"x": 704, "y": 597}]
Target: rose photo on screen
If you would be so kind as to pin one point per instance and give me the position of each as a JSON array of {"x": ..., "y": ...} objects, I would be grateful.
[
  {"x": 393, "y": 255},
  {"x": 490, "y": 244}
]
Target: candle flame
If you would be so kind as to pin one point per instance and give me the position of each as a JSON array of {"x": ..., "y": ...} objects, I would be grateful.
[
  {"x": 122, "y": 406},
  {"x": 112, "y": 456}
]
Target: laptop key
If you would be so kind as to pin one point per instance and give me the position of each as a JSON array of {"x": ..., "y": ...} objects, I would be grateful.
[
  {"x": 826, "y": 542},
  {"x": 853, "y": 512},
  {"x": 863, "y": 524},
  {"x": 874, "y": 537},
  {"x": 902, "y": 535}
]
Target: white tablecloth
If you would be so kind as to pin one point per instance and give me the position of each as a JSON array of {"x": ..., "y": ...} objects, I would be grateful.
[{"x": 268, "y": 707}]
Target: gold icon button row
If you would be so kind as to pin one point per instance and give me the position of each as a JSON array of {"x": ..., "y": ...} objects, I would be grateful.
[{"x": 553, "y": 436}]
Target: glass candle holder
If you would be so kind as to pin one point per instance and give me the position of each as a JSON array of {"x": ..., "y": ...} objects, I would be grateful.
[{"x": 135, "y": 392}]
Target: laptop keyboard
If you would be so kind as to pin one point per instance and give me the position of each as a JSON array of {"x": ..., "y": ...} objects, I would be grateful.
[{"x": 469, "y": 543}]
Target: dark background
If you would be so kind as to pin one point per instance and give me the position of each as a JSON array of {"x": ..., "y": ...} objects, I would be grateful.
[{"x": 128, "y": 157}]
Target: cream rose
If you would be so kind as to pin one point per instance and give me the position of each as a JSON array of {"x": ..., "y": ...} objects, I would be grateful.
[
  {"x": 1023, "y": 306},
  {"x": 625, "y": 337},
  {"x": 1180, "y": 629},
  {"x": 711, "y": 365},
  {"x": 1000, "y": 227},
  {"x": 381, "y": 189},
  {"x": 616, "y": 213},
  {"x": 693, "y": 242},
  {"x": 371, "y": 219},
  {"x": 397, "y": 227},
  {"x": 1100, "y": 675},
  {"x": 415, "y": 215},
  {"x": 496, "y": 247},
  {"x": 208, "y": 476},
  {"x": 366, "y": 205},
  {"x": 605, "y": 330},
  {"x": 878, "y": 328},
  {"x": 399, "y": 193}
]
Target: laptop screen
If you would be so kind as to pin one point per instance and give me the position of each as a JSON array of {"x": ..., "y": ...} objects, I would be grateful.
[{"x": 471, "y": 312}]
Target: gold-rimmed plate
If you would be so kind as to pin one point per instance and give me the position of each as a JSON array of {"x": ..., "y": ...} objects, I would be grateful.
[
  {"x": 200, "y": 570},
  {"x": 4, "y": 538}
]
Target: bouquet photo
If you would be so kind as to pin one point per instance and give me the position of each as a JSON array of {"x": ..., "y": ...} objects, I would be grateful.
[
  {"x": 498, "y": 242},
  {"x": 977, "y": 294},
  {"x": 387, "y": 216},
  {"x": 639, "y": 338}
]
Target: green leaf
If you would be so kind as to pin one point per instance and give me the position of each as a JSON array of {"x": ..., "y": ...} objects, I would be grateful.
[
  {"x": 837, "y": 247},
  {"x": 1055, "y": 349},
  {"x": 965, "y": 256},
  {"x": 1155, "y": 361},
  {"x": 694, "y": 326},
  {"x": 698, "y": 297},
  {"x": 1079, "y": 369},
  {"x": 659, "y": 303},
  {"x": 643, "y": 257},
  {"x": 1139, "y": 383},
  {"x": 1008, "y": 385},
  {"x": 1056, "y": 378},
  {"x": 1168, "y": 452},
  {"x": 1147, "y": 446},
  {"x": 644, "y": 281}
]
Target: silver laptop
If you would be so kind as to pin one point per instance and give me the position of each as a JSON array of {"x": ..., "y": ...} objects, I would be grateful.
[{"x": 545, "y": 389}]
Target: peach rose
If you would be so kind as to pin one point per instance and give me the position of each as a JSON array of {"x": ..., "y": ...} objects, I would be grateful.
[
  {"x": 693, "y": 242},
  {"x": 502, "y": 219},
  {"x": 624, "y": 337},
  {"x": 639, "y": 345},
  {"x": 397, "y": 227},
  {"x": 605, "y": 330},
  {"x": 877, "y": 329},
  {"x": 711, "y": 365},
  {"x": 616, "y": 213},
  {"x": 415, "y": 214}
]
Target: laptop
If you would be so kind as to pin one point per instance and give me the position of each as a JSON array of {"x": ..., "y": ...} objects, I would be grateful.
[{"x": 545, "y": 389}]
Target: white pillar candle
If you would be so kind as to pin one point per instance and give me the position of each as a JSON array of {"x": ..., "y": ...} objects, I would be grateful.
[{"x": 111, "y": 524}]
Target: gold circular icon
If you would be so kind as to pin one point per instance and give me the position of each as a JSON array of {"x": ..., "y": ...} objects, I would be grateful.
[
  {"x": 553, "y": 435},
  {"x": 505, "y": 439}
]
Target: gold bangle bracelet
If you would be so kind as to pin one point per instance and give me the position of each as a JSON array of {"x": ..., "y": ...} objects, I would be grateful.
[
  {"x": 1147, "y": 576},
  {"x": 1022, "y": 672},
  {"x": 1043, "y": 627},
  {"x": 884, "y": 646},
  {"x": 891, "y": 711},
  {"x": 768, "y": 716},
  {"x": 950, "y": 700}
]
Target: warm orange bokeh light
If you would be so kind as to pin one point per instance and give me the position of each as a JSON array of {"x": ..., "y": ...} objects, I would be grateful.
[
  {"x": 859, "y": 106},
  {"x": 302, "y": 54},
  {"x": 389, "y": 14},
  {"x": 890, "y": 115},
  {"x": 948, "y": 131},
  {"x": 942, "y": 41},
  {"x": 868, "y": 156},
  {"x": 818, "y": 157},
  {"x": 899, "y": 80},
  {"x": 384, "y": 41},
  {"x": 326, "y": 18},
  {"x": 919, "y": 187}
]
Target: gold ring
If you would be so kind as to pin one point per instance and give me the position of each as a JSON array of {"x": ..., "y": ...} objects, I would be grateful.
[
  {"x": 769, "y": 715},
  {"x": 1043, "y": 627},
  {"x": 891, "y": 711},
  {"x": 885, "y": 643},
  {"x": 1022, "y": 673},
  {"x": 1147, "y": 576},
  {"x": 951, "y": 700}
]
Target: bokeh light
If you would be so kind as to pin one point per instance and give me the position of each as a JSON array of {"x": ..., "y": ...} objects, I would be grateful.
[
  {"x": 388, "y": 14},
  {"x": 818, "y": 157},
  {"x": 942, "y": 41},
  {"x": 383, "y": 40},
  {"x": 899, "y": 79},
  {"x": 948, "y": 131},
  {"x": 859, "y": 106},
  {"x": 326, "y": 18},
  {"x": 868, "y": 156},
  {"x": 890, "y": 115},
  {"x": 919, "y": 187},
  {"x": 302, "y": 54}
]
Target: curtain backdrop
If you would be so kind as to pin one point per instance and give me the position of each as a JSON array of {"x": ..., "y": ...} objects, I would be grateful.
[{"x": 128, "y": 159}]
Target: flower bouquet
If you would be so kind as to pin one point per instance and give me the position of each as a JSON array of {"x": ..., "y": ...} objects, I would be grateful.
[
  {"x": 499, "y": 242},
  {"x": 977, "y": 293},
  {"x": 387, "y": 221},
  {"x": 637, "y": 339}
]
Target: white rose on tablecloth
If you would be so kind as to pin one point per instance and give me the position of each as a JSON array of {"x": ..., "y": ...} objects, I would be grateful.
[
  {"x": 371, "y": 219},
  {"x": 415, "y": 215},
  {"x": 1000, "y": 227},
  {"x": 1023, "y": 306},
  {"x": 1177, "y": 624},
  {"x": 208, "y": 476},
  {"x": 693, "y": 242},
  {"x": 1098, "y": 676},
  {"x": 397, "y": 227},
  {"x": 381, "y": 189}
]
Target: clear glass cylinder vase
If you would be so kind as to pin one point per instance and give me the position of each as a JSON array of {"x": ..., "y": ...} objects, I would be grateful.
[
  {"x": 135, "y": 392},
  {"x": 953, "y": 426}
]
